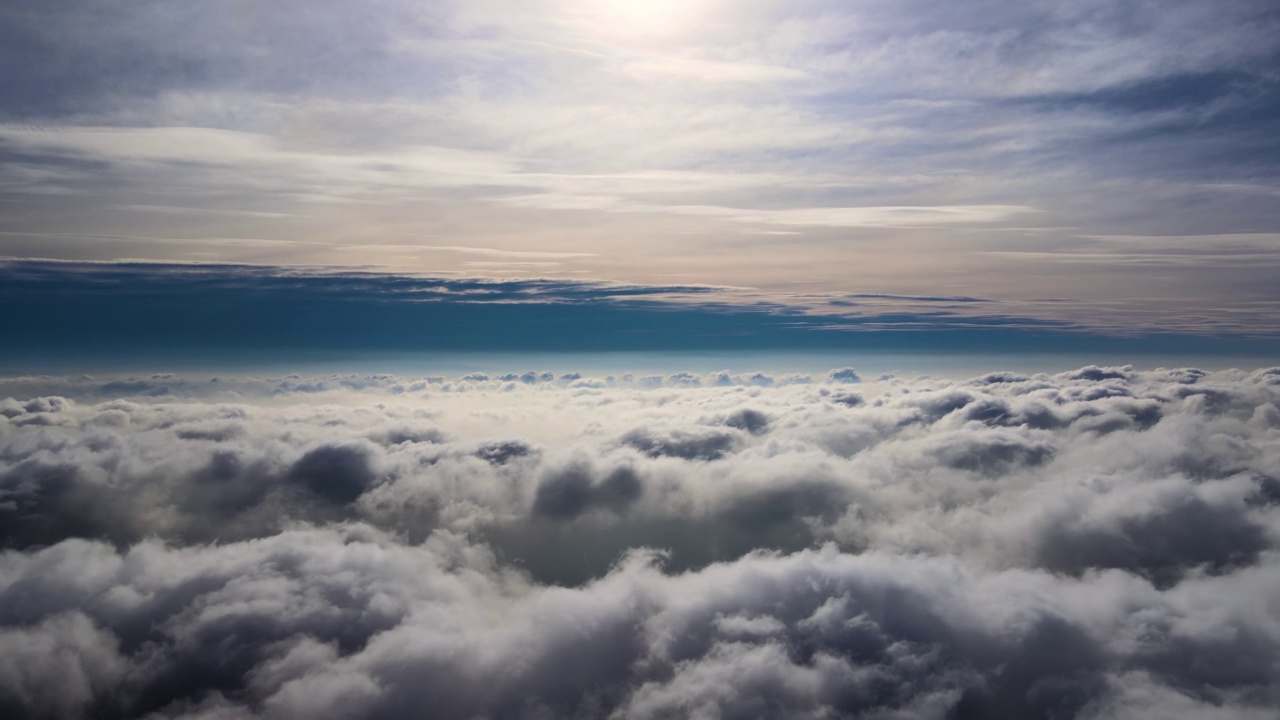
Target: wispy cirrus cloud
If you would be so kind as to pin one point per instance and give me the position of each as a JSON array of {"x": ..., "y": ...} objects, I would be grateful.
[{"x": 900, "y": 142}]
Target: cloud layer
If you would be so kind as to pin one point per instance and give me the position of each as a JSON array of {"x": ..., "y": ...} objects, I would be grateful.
[{"x": 1099, "y": 543}]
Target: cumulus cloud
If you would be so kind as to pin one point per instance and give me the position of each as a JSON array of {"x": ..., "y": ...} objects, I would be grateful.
[
  {"x": 1097, "y": 543},
  {"x": 846, "y": 375}
]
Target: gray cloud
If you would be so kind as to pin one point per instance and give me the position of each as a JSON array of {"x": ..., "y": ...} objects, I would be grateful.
[{"x": 1088, "y": 544}]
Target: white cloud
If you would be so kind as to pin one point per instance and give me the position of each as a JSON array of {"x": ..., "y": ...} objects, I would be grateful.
[{"x": 362, "y": 544}]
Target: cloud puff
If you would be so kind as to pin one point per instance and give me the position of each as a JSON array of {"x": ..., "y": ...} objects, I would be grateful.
[
  {"x": 1097, "y": 543},
  {"x": 846, "y": 375}
]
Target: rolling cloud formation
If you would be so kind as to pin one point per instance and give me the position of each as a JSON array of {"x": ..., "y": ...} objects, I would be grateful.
[{"x": 1097, "y": 543}]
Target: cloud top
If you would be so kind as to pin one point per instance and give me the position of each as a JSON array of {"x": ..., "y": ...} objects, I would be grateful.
[{"x": 1088, "y": 544}]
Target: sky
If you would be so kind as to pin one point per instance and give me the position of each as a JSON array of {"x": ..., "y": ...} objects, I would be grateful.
[{"x": 1091, "y": 169}]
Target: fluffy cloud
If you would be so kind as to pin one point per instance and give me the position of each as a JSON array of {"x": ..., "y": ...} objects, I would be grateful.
[{"x": 1099, "y": 543}]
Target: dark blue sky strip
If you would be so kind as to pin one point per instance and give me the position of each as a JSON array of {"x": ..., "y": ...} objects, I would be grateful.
[{"x": 104, "y": 310}]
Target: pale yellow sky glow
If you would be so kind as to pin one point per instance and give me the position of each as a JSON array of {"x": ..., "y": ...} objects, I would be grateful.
[{"x": 643, "y": 17}]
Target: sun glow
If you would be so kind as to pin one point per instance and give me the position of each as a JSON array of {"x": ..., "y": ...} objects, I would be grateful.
[{"x": 645, "y": 17}]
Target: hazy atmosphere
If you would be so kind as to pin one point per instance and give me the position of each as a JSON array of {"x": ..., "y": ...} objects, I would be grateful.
[{"x": 626, "y": 360}]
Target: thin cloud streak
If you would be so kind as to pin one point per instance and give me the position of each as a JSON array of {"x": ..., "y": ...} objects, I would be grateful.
[{"x": 87, "y": 312}]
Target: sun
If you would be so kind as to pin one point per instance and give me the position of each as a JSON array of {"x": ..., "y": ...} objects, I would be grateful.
[
  {"x": 645, "y": 17},
  {"x": 643, "y": 14}
]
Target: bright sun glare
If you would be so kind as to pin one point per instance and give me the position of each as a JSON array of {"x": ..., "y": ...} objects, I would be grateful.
[{"x": 646, "y": 17}]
